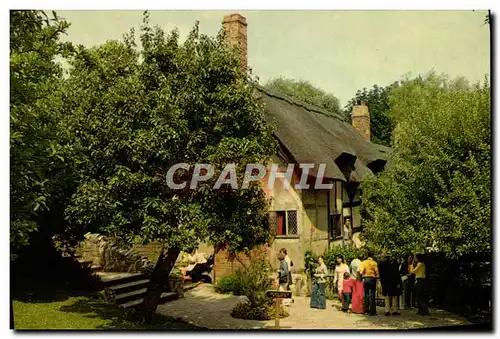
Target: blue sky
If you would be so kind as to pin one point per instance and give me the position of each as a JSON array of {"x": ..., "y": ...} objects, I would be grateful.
[{"x": 338, "y": 51}]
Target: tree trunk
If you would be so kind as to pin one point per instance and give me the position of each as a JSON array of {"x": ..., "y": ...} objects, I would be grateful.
[{"x": 157, "y": 282}]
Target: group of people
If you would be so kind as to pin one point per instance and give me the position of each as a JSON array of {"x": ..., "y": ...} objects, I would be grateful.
[{"x": 403, "y": 284}]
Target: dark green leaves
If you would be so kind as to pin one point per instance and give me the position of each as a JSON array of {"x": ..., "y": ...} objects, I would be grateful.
[
  {"x": 35, "y": 84},
  {"x": 131, "y": 114},
  {"x": 436, "y": 191}
]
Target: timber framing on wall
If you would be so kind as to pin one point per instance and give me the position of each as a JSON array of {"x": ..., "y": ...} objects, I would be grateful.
[{"x": 328, "y": 193}]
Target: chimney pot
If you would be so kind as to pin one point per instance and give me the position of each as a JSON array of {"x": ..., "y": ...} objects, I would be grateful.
[
  {"x": 361, "y": 119},
  {"x": 235, "y": 28}
]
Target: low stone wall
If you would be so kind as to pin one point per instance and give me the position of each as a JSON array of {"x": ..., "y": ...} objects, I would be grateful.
[{"x": 102, "y": 252}]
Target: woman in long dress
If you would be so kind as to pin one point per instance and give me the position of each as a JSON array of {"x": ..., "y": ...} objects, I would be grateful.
[
  {"x": 338, "y": 279},
  {"x": 357, "y": 305},
  {"x": 357, "y": 296},
  {"x": 318, "y": 296}
]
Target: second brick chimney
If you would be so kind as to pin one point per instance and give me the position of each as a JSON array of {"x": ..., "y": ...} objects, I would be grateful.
[
  {"x": 235, "y": 28},
  {"x": 361, "y": 119}
]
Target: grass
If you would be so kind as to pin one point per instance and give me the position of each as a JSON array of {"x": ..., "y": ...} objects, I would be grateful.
[{"x": 84, "y": 313}]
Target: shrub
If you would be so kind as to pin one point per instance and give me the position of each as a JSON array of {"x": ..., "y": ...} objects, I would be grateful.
[
  {"x": 244, "y": 310},
  {"x": 246, "y": 280},
  {"x": 310, "y": 260},
  {"x": 232, "y": 284},
  {"x": 330, "y": 290},
  {"x": 252, "y": 282},
  {"x": 259, "y": 307}
]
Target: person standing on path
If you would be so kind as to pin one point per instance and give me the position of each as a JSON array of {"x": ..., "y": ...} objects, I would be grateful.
[
  {"x": 283, "y": 274},
  {"x": 290, "y": 265},
  {"x": 355, "y": 265},
  {"x": 419, "y": 271},
  {"x": 369, "y": 272},
  {"x": 358, "y": 295},
  {"x": 318, "y": 296},
  {"x": 338, "y": 279},
  {"x": 390, "y": 280}
]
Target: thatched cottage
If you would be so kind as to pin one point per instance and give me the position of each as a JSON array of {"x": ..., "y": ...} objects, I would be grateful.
[{"x": 311, "y": 219}]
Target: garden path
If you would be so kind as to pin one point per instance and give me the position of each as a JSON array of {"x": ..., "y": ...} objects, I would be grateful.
[{"x": 205, "y": 308}]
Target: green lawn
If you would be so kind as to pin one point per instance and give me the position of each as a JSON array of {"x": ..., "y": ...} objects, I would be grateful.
[{"x": 82, "y": 313}]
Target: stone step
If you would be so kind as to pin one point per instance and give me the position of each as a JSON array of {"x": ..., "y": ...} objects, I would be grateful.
[
  {"x": 87, "y": 263},
  {"x": 128, "y": 296},
  {"x": 165, "y": 297},
  {"x": 96, "y": 268},
  {"x": 120, "y": 279},
  {"x": 127, "y": 287}
]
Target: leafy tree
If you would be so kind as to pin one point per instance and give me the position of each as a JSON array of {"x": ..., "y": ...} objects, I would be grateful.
[
  {"x": 305, "y": 91},
  {"x": 377, "y": 100},
  {"x": 131, "y": 114},
  {"x": 436, "y": 191},
  {"x": 35, "y": 80}
]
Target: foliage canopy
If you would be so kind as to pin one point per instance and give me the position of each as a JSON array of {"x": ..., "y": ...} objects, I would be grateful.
[
  {"x": 130, "y": 114},
  {"x": 35, "y": 85},
  {"x": 436, "y": 191}
]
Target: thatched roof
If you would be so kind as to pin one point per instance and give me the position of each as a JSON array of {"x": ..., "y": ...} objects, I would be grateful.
[{"x": 313, "y": 135}]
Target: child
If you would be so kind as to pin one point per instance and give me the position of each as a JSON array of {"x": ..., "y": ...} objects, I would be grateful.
[{"x": 347, "y": 291}]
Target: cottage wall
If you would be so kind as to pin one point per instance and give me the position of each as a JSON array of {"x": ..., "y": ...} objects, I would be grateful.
[{"x": 287, "y": 200}]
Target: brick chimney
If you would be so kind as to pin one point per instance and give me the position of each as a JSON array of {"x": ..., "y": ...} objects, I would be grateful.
[
  {"x": 361, "y": 119},
  {"x": 235, "y": 27}
]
